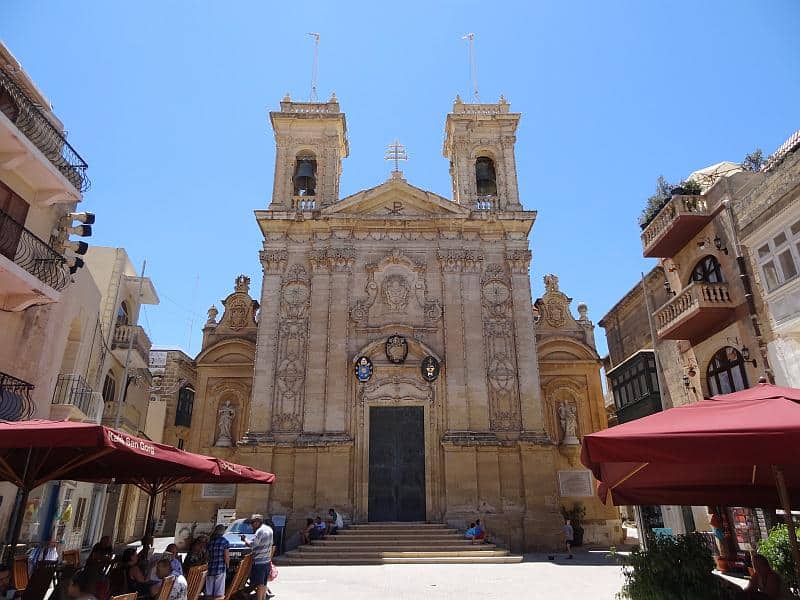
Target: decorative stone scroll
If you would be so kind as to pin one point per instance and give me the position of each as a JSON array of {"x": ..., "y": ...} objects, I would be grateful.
[
  {"x": 399, "y": 282},
  {"x": 460, "y": 261},
  {"x": 292, "y": 346},
  {"x": 273, "y": 261},
  {"x": 498, "y": 327},
  {"x": 335, "y": 259},
  {"x": 518, "y": 261}
]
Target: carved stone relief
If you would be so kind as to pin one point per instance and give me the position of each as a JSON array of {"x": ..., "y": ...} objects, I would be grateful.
[
  {"x": 399, "y": 281},
  {"x": 273, "y": 261},
  {"x": 292, "y": 344},
  {"x": 501, "y": 371}
]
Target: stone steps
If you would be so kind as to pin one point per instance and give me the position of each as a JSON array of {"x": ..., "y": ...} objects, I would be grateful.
[{"x": 396, "y": 543}]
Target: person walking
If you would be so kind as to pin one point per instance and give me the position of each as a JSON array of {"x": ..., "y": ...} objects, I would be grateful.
[
  {"x": 569, "y": 536},
  {"x": 262, "y": 555},
  {"x": 218, "y": 562}
]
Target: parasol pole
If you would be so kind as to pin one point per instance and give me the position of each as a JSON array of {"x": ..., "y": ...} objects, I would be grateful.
[{"x": 783, "y": 494}]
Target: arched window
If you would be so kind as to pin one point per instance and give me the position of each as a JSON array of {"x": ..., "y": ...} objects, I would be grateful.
[
  {"x": 183, "y": 412},
  {"x": 109, "y": 389},
  {"x": 485, "y": 176},
  {"x": 725, "y": 373},
  {"x": 123, "y": 316},
  {"x": 708, "y": 271},
  {"x": 305, "y": 175}
]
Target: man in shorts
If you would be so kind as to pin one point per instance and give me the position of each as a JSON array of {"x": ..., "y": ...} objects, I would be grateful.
[
  {"x": 262, "y": 555},
  {"x": 218, "y": 561}
]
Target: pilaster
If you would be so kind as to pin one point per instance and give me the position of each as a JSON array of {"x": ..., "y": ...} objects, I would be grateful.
[
  {"x": 518, "y": 262},
  {"x": 273, "y": 262},
  {"x": 457, "y": 412},
  {"x": 338, "y": 366}
]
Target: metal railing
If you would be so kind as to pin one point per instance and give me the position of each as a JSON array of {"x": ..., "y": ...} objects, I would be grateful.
[
  {"x": 44, "y": 135},
  {"x": 71, "y": 388},
  {"x": 15, "y": 399},
  {"x": 22, "y": 247},
  {"x": 122, "y": 336},
  {"x": 697, "y": 295}
]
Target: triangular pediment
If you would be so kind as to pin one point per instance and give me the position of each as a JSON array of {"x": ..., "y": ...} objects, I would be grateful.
[{"x": 397, "y": 199}]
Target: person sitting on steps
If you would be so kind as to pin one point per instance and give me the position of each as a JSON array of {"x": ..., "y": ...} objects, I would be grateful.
[{"x": 309, "y": 531}]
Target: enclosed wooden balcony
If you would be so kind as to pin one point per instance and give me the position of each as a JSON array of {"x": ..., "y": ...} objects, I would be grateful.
[
  {"x": 698, "y": 311},
  {"x": 679, "y": 220}
]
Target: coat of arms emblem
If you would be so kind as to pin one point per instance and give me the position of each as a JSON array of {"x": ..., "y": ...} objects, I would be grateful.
[
  {"x": 363, "y": 369},
  {"x": 429, "y": 367},
  {"x": 396, "y": 348}
]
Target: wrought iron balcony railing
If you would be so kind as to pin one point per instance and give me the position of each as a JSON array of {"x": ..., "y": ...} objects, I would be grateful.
[
  {"x": 30, "y": 120},
  {"x": 72, "y": 388},
  {"x": 15, "y": 399},
  {"x": 23, "y": 248}
]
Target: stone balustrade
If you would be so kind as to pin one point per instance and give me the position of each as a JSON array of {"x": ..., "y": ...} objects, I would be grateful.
[
  {"x": 670, "y": 215},
  {"x": 687, "y": 304}
]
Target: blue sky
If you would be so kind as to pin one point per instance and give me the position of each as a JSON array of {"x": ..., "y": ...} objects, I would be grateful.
[{"x": 168, "y": 101}]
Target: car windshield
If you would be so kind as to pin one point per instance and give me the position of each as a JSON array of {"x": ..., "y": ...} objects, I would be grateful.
[{"x": 239, "y": 527}]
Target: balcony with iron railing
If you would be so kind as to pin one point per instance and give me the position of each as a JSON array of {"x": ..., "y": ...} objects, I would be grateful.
[
  {"x": 15, "y": 399},
  {"x": 74, "y": 399},
  {"x": 31, "y": 272},
  {"x": 29, "y": 118},
  {"x": 678, "y": 221},
  {"x": 135, "y": 338},
  {"x": 698, "y": 311}
]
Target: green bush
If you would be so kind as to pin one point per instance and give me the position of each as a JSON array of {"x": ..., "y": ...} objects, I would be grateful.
[
  {"x": 777, "y": 551},
  {"x": 672, "y": 568}
]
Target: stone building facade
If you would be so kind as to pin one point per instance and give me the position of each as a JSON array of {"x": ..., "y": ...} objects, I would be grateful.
[{"x": 394, "y": 365}]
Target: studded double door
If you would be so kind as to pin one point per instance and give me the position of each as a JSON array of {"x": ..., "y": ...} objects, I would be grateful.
[{"x": 396, "y": 463}]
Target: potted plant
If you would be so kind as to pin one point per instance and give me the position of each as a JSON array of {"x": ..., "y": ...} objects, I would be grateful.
[
  {"x": 575, "y": 515},
  {"x": 672, "y": 568}
]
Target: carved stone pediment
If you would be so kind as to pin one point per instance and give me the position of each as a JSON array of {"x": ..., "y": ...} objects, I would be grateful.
[
  {"x": 396, "y": 291},
  {"x": 396, "y": 199}
]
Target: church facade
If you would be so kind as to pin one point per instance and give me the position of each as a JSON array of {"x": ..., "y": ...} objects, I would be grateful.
[{"x": 394, "y": 364}]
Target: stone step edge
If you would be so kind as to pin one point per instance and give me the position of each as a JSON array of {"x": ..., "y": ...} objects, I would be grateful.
[{"x": 390, "y": 561}]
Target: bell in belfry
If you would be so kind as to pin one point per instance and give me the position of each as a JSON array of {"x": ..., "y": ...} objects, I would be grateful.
[
  {"x": 485, "y": 176},
  {"x": 305, "y": 177}
]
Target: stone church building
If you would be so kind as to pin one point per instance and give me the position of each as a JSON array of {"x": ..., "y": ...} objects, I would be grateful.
[{"x": 394, "y": 364}]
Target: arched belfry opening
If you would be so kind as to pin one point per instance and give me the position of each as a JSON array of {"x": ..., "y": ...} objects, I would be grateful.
[
  {"x": 485, "y": 176},
  {"x": 305, "y": 175}
]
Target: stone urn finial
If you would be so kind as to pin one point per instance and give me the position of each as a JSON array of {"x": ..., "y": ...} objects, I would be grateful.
[{"x": 212, "y": 315}]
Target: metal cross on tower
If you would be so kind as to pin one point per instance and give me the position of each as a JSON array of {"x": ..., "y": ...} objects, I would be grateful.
[
  {"x": 396, "y": 152},
  {"x": 314, "y": 68},
  {"x": 473, "y": 67}
]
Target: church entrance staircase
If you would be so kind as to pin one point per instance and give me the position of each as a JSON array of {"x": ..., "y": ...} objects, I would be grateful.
[{"x": 396, "y": 543}]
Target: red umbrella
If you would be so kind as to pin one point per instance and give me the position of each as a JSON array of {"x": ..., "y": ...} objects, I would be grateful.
[
  {"x": 235, "y": 473},
  {"x": 736, "y": 449},
  {"x": 35, "y": 452}
]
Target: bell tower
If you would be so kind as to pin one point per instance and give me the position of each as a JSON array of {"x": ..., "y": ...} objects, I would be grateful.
[
  {"x": 479, "y": 141},
  {"x": 311, "y": 141}
]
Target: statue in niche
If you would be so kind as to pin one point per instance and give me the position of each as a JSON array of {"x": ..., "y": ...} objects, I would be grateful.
[
  {"x": 395, "y": 293},
  {"x": 569, "y": 423},
  {"x": 226, "y": 415}
]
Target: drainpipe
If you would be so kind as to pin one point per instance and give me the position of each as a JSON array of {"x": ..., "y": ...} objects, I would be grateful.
[{"x": 744, "y": 276}]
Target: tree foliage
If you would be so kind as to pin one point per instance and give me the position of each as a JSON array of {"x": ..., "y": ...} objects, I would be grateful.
[
  {"x": 754, "y": 161},
  {"x": 672, "y": 568},
  {"x": 778, "y": 552}
]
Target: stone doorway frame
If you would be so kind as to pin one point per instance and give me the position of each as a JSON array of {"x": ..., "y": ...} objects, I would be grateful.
[{"x": 398, "y": 385}]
